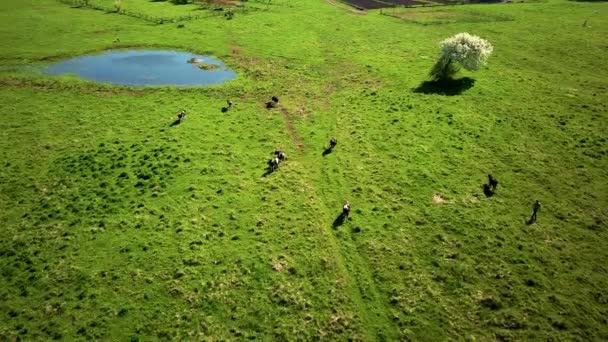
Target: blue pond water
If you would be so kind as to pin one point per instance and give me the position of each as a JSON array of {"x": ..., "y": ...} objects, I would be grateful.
[{"x": 144, "y": 68}]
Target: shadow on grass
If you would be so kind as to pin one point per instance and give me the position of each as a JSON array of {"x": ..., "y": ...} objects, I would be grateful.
[
  {"x": 447, "y": 87},
  {"x": 268, "y": 171},
  {"x": 328, "y": 151},
  {"x": 224, "y": 109},
  {"x": 339, "y": 220},
  {"x": 175, "y": 123},
  {"x": 531, "y": 221}
]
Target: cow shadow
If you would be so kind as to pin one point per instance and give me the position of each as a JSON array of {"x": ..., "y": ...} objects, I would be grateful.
[
  {"x": 175, "y": 123},
  {"x": 448, "y": 87},
  {"x": 339, "y": 220},
  {"x": 224, "y": 109},
  {"x": 328, "y": 151},
  {"x": 268, "y": 171}
]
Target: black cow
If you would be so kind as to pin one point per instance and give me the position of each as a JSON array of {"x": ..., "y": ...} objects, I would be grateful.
[
  {"x": 181, "y": 116},
  {"x": 536, "y": 208},
  {"x": 346, "y": 209},
  {"x": 281, "y": 155},
  {"x": 273, "y": 163},
  {"x": 493, "y": 182}
]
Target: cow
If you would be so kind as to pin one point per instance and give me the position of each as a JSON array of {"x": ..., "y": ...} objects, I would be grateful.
[
  {"x": 181, "y": 116},
  {"x": 281, "y": 155},
  {"x": 492, "y": 182},
  {"x": 333, "y": 142},
  {"x": 346, "y": 209},
  {"x": 536, "y": 208},
  {"x": 273, "y": 163}
]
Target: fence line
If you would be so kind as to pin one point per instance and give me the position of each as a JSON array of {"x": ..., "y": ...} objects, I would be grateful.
[{"x": 151, "y": 18}]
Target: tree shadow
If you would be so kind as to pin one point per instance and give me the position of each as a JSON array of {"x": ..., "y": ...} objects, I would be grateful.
[
  {"x": 339, "y": 220},
  {"x": 175, "y": 123},
  {"x": 449, "y": 87},
  {"x": 487, "y": 190},
  {"x": 328, "y": 151}
]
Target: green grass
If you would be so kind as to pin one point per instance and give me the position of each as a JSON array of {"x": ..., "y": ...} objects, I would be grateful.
[{"x": 117, "y": 226}]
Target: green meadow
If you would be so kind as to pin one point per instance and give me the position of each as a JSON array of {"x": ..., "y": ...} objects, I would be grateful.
[{"x": 117, "y": 226}]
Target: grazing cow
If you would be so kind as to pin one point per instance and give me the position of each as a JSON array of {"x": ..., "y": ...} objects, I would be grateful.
[
  {"x": 346, "y": 209},
  {"x": 333, "y": 142},
  {"x": 493, "y": 182},
  {"x": 274, "y": 163},
  {"x": 275, "y": 99},
  {"x": 181, "y": 116},
  {"x": 229, "y": 103},
  {"x": 536, "y": 208},
  {"x": 281, "y": 155}
]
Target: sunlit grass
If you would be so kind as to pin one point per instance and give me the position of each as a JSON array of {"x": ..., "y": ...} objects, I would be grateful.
[{"x": 117, "y": 225}]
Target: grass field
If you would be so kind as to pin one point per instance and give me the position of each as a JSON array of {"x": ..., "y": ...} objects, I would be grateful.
[{"x": 117, "y": 226}]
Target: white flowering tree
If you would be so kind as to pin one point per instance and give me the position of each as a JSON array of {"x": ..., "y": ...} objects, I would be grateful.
[{"x": 463, "y": 49}]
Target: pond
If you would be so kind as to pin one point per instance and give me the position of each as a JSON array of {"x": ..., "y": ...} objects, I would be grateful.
[{"x": 146, "y": 68}]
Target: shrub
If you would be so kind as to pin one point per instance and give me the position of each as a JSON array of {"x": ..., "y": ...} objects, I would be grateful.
[{"x": 463, "y": 49}]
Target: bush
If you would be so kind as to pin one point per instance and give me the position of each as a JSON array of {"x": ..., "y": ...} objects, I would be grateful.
[{"x": 463, "y": 49}]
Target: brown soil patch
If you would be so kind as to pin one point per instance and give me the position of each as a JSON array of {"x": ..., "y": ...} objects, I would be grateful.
[
  {"x": 227, "y": 3},
  {"x": 297, "y": 139},
  {"x": 235, "y": 50},
  {"x": 439, "y": 199},
  {"x": 98, "y": 32},
  {"x": 279, "y": 266}
]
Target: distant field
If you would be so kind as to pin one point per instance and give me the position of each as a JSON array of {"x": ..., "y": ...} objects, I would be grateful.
[
  {"x": 437, "y": 16},
  {"x": 116, "y": 225},
  {"x": 376, "y": 4}
]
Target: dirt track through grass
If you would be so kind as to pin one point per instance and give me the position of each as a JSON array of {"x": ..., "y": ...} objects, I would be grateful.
[{"x": 297, "y": 140}]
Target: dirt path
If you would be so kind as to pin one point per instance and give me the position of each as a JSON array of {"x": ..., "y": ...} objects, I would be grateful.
[
  {"x": 297, "y": 139},
  {"x": 350, "y": 253},
  {"x": 352, "y": 10},
  {"x": 358, "y": 279}
]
